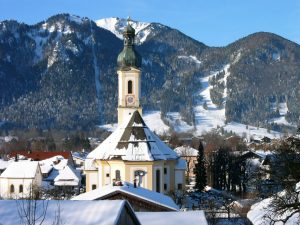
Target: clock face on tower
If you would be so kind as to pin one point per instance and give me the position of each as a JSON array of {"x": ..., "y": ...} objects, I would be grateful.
[{"x": 130, "y": 100}]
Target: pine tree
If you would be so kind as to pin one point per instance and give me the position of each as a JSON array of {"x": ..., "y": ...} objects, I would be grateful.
[{"x": 200, "y": 170}]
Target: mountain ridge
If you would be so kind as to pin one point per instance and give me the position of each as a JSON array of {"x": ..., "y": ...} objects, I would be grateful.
[{"x": 49, "y": 74}]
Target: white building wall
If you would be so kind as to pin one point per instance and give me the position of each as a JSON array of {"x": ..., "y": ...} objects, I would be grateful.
[
  {"x": 93, "y": 179},
  {"x": 7, "y": 182},
  {"x": 179, "y": 178}
]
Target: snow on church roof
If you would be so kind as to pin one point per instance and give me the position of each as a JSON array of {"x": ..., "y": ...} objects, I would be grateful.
[
  {"x": 133, "y": 141},
  {"x": 21, "y": 169},
  {"x": 139, "y": 192}
]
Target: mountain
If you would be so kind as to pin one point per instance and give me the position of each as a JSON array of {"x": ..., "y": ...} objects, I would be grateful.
[{"x": 62, "y": 73}]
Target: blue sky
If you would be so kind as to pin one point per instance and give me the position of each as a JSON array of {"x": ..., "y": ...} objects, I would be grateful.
[{"x": 213, "y": 22}]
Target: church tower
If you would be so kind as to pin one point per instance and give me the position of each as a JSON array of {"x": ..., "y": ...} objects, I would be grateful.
[{"x": 129, "y": 76}]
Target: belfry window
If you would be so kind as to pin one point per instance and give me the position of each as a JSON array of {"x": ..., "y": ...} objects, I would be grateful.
[{"x": 129, "y": 88}]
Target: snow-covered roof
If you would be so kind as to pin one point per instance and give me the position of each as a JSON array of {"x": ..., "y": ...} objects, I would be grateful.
[
  {"x": 106, "y": 212},
  {"x": 133, "y": 141},
  {"x": 180, "y": 164},
  {"x": 4, "y": 164},
  {"x": 21, "y": 169},
  {"x": 80, "y": 155},
  {"x": 170, "y": 218},
  {"x": 57, "y": 162},
  {"x": 139, "y": 192},
  {"x": 67, "y": 177},
  {"x": 186, "y": 151}
]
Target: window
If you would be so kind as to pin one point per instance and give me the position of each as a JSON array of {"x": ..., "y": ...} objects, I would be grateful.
[
  {"x": 165, "y": 187},
  {"x": 21, "y": 188},
  {"x": 157, "y": 180},
  {"x": 94, "y": 186},
  {"x": 12, "y": 188},
  {"x": 129, "y": 87},
  {"x": 118, "y": 176},
  {"x": 165, "y": 170},
  {"x": 179, "y": 186}
]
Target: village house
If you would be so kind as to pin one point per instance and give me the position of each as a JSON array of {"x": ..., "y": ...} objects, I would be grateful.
[
  {"x": 189, "y": 154},
  {"x": 20, "y": 179}
]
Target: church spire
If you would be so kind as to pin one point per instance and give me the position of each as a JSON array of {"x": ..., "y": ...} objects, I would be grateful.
[
  {"x": 129, "y": 76},
  {"x": 129, "y": 57}
]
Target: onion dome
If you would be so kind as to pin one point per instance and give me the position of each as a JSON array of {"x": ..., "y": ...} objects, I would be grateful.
[{"x": 129, "y": 57}]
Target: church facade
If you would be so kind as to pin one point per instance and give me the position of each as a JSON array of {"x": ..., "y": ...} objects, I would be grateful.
[{"x": 133, "y": 153}]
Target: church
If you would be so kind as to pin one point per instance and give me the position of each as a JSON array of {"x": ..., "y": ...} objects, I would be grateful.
[{"x": 133, "y": 153}]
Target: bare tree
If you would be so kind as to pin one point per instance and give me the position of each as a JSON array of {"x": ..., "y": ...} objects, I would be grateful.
[{"x": 33, "y": 211}]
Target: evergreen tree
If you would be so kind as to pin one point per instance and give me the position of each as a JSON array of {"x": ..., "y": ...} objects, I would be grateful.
[{"x": 200, "y": 170}]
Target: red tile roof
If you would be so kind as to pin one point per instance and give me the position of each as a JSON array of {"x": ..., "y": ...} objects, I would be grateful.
[{"x": 37, "y": 156}]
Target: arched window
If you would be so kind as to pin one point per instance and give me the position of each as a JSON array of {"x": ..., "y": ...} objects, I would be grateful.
[
  {"x": 157, "y": 180},
  {"x": 118, "y": 175},
  {"x": 129, "y": 87},
  {"x": 21, "y": 188},
  {"x": 12, "y": 188},
  {"x": 94, "y": 186}
]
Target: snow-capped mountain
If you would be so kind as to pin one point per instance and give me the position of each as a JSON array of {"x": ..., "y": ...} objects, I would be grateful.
[
  {"x": 62, "y": 73},
  {"x": 117, "y": 25}
]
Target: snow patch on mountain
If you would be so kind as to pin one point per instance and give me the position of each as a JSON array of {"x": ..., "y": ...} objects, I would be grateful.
[
  {"x": 40, "y": 40},
  {"x": 72, "y": 47},
  {"x": 227, "y": 73},
  {"x": 207, "y": 114},
  {"x": 283, "y": 110},
  {"x": 176, "y": 122},
  {"x": 76, "y": 19},
  {"x": 117, "y": 25},
  {"x": 190, "y": 58}
]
